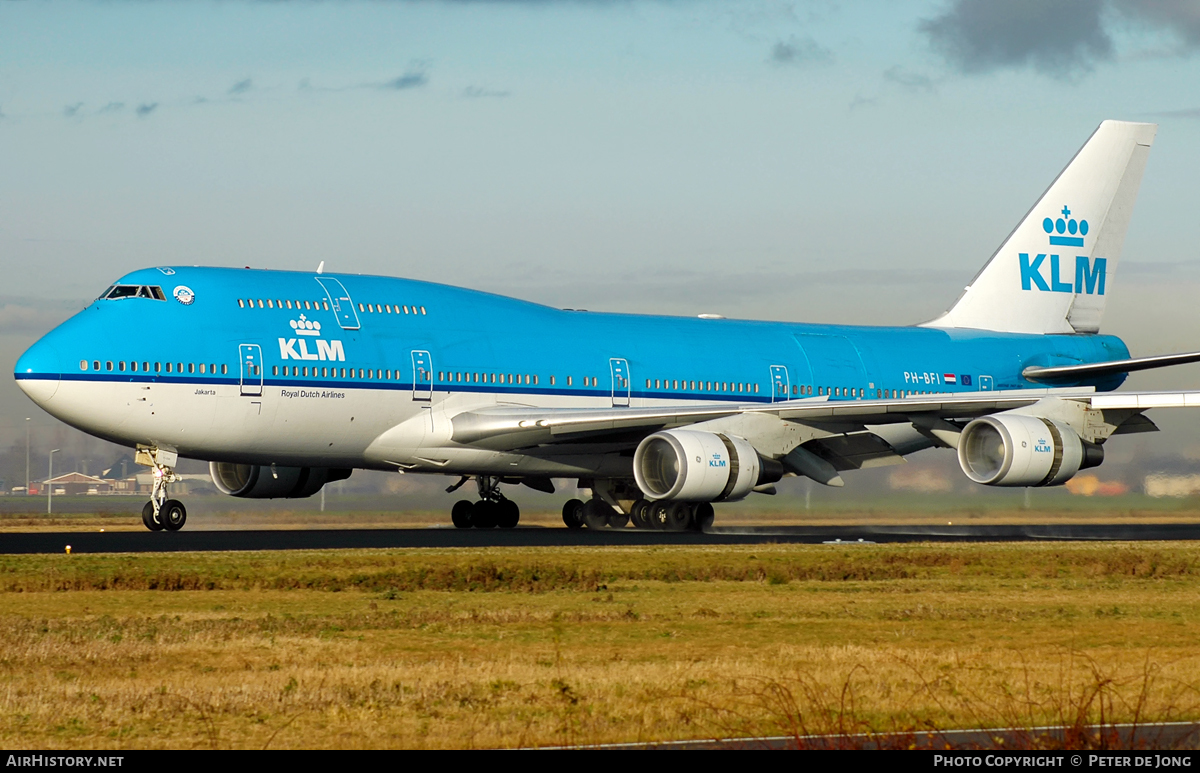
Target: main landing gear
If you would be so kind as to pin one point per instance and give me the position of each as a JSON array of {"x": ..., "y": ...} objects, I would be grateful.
[
  {"x": 662, "y": 516},
  {"x": 160, "y": 512},
  {"x": 493, "y": 508}
]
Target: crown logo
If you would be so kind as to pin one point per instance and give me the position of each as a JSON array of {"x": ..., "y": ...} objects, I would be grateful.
[
  {"x": 1057, "y": 229},
  {"x": 305, "y": 327}
]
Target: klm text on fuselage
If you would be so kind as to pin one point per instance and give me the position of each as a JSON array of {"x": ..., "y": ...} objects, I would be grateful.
[{"x": 1089, "y": 274}]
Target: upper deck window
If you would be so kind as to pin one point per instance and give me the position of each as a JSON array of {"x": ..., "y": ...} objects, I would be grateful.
[{"x": 116, "y": 292}]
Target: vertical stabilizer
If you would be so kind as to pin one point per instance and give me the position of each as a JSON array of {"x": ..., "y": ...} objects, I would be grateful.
[{"x": 1055, "y": 270}]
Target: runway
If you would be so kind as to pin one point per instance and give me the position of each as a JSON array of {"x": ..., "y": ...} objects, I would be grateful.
[{"x": 143, "y": 542}]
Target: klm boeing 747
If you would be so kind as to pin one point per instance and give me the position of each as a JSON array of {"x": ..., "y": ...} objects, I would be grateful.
[{"x": 300, "y": 378}]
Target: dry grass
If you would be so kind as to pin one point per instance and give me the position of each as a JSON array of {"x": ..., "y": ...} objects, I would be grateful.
[{"x": 522, "y": 647}]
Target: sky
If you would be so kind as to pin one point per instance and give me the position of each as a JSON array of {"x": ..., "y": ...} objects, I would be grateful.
[{"x": 811, "y": 161}]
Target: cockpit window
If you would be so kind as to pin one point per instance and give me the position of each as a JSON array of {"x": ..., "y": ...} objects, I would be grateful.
[{"x": 115, "y": 292}]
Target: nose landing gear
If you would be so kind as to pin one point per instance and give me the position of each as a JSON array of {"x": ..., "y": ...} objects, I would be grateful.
[{"x": 161, "y": 512}]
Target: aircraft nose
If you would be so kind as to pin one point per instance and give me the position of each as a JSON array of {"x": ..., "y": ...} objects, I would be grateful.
[{"x": 38, "y": 372}]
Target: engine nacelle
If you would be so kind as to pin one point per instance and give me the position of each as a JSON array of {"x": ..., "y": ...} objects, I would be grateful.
[
  {"x": 254, "y": 481},
  {"x": 697, "y": 466},
  {"x": 1011, "y": 449}
]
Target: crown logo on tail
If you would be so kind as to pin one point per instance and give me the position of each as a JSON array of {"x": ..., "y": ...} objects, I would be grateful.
[{"x": 1062, "y": 226}]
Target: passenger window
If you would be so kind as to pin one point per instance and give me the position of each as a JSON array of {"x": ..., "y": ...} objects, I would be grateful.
[
  {"x": 168, "y": 367},
  {"x": 133, "y": 366},
  {"x": 568, "y": 381},
  {"x": 360, "y": 307},
  {"x": 422, "y": 310},
  {"x": 191, "y": 367},
  {"x": 95, "y": 364},
  {"x": 83, "y": 364},
  {"x": 224, "y": 370},
  {"x": 241, "y": 304},
  {"x": 274, "y": 370},
  {"x": 203, "y": 368},
  {"x": 325, "y": 305},
  {"x": 121, "y": 365},
  {"x": 535, "y": 380},
  {"x": 552, "y": 380},
  {"x": 108, "y": 365}
]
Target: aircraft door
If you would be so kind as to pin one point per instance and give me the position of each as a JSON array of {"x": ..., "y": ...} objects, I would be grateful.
[
  {"x": 339, "y": 299},
  {"x": 250, "y": 357},
  {"x": 779, "y": 383},
  {"x": 620, "y": 382},
  {"x": 422, "y": 375},
  {"x": 985, "y": 383}
]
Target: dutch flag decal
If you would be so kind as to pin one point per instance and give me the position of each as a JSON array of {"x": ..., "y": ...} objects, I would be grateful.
[{"x": 949, "y": 378}]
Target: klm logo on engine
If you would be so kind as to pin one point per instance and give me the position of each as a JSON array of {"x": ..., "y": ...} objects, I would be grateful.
[
  {"x": 1042, "y": 447},
  {"x": 717, "y": 461},
  {"x": 1038, "y": 273},
  {"x": 297, "y": 348}
]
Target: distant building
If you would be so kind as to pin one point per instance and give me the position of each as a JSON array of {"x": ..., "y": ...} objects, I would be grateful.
[
  {"x": 1091, "y": 486},
  {"x": 1163, "y": 485},
  {"x": 76, "y": 483}
]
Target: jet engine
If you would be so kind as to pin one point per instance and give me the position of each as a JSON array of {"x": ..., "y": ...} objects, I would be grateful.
[
  {"x": 696, "y": 466},
  {"x": 255, "y": 481},
  {"x": 1011, "y": 449}
]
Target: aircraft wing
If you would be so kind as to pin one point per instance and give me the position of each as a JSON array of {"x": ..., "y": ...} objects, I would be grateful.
[{"x": 523, "y": 427}]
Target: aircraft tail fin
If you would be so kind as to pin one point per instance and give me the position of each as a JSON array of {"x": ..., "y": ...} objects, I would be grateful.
[{"x": 1053, "y": 272}]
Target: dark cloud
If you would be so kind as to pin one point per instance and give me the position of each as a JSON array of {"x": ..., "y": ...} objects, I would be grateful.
[
  {"x": 146, "y": 108},
  {"x": 241, "y": 87},
  {"x": 409, "y": 80},
  {"x": 799, "y": 51},
  {"x": 477, "y": 92},
  {"x": 913, "y": 81},
  {"x": 70, "y": 111},
  {"x": 1059, "y": 38},
  {"x": 1179, "y": 17}
]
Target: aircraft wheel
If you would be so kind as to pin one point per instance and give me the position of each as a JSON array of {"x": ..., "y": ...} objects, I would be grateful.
[
  {"x": 483, "y": 514},
  {"x": 173, "y": 515},
  {"x": 704, "y": 516},
  {"x": 618, "y": 521},
  {"x": 509, "y": 514},
  {"x": 640, "y": 514},
  {"x": 572, "y": 514},
  {"x": 148, "y": 518},
  {"x": 660, "y": 515},
  {"x": 596, "y": 513},
  {"x": 460, "y": 514},
  {"x": 679, "y": 516}
]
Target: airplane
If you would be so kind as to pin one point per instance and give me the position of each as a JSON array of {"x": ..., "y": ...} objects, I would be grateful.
[{"x": 285, "y": 381}]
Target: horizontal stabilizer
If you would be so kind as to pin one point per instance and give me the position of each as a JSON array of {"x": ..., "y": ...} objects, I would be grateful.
[{"x": 1088, "y": 370}]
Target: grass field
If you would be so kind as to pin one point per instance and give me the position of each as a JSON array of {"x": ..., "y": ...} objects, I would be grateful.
[{"x": 525, "y": 647}]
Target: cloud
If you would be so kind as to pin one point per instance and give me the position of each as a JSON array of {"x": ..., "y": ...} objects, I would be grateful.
[
  {"x": 861, "y": 101},
  {"x": 409, "y": 80},
  {"x": 146, "y": 108},
  {"x": 241, "y": 87},
  {"x": 799, "y": 52},
  {"x": 26, "y": 316},
  {"x": 912, "y": 81},
  {"x": 112, "y": 107},
  {"x": 478, "y": 92},
  {"x": 1179, "y": 17},
  {"x": 1059, "y": 38},
  {"x": 1192, "y": 112},
  {"x": 70, "y": 111}
]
